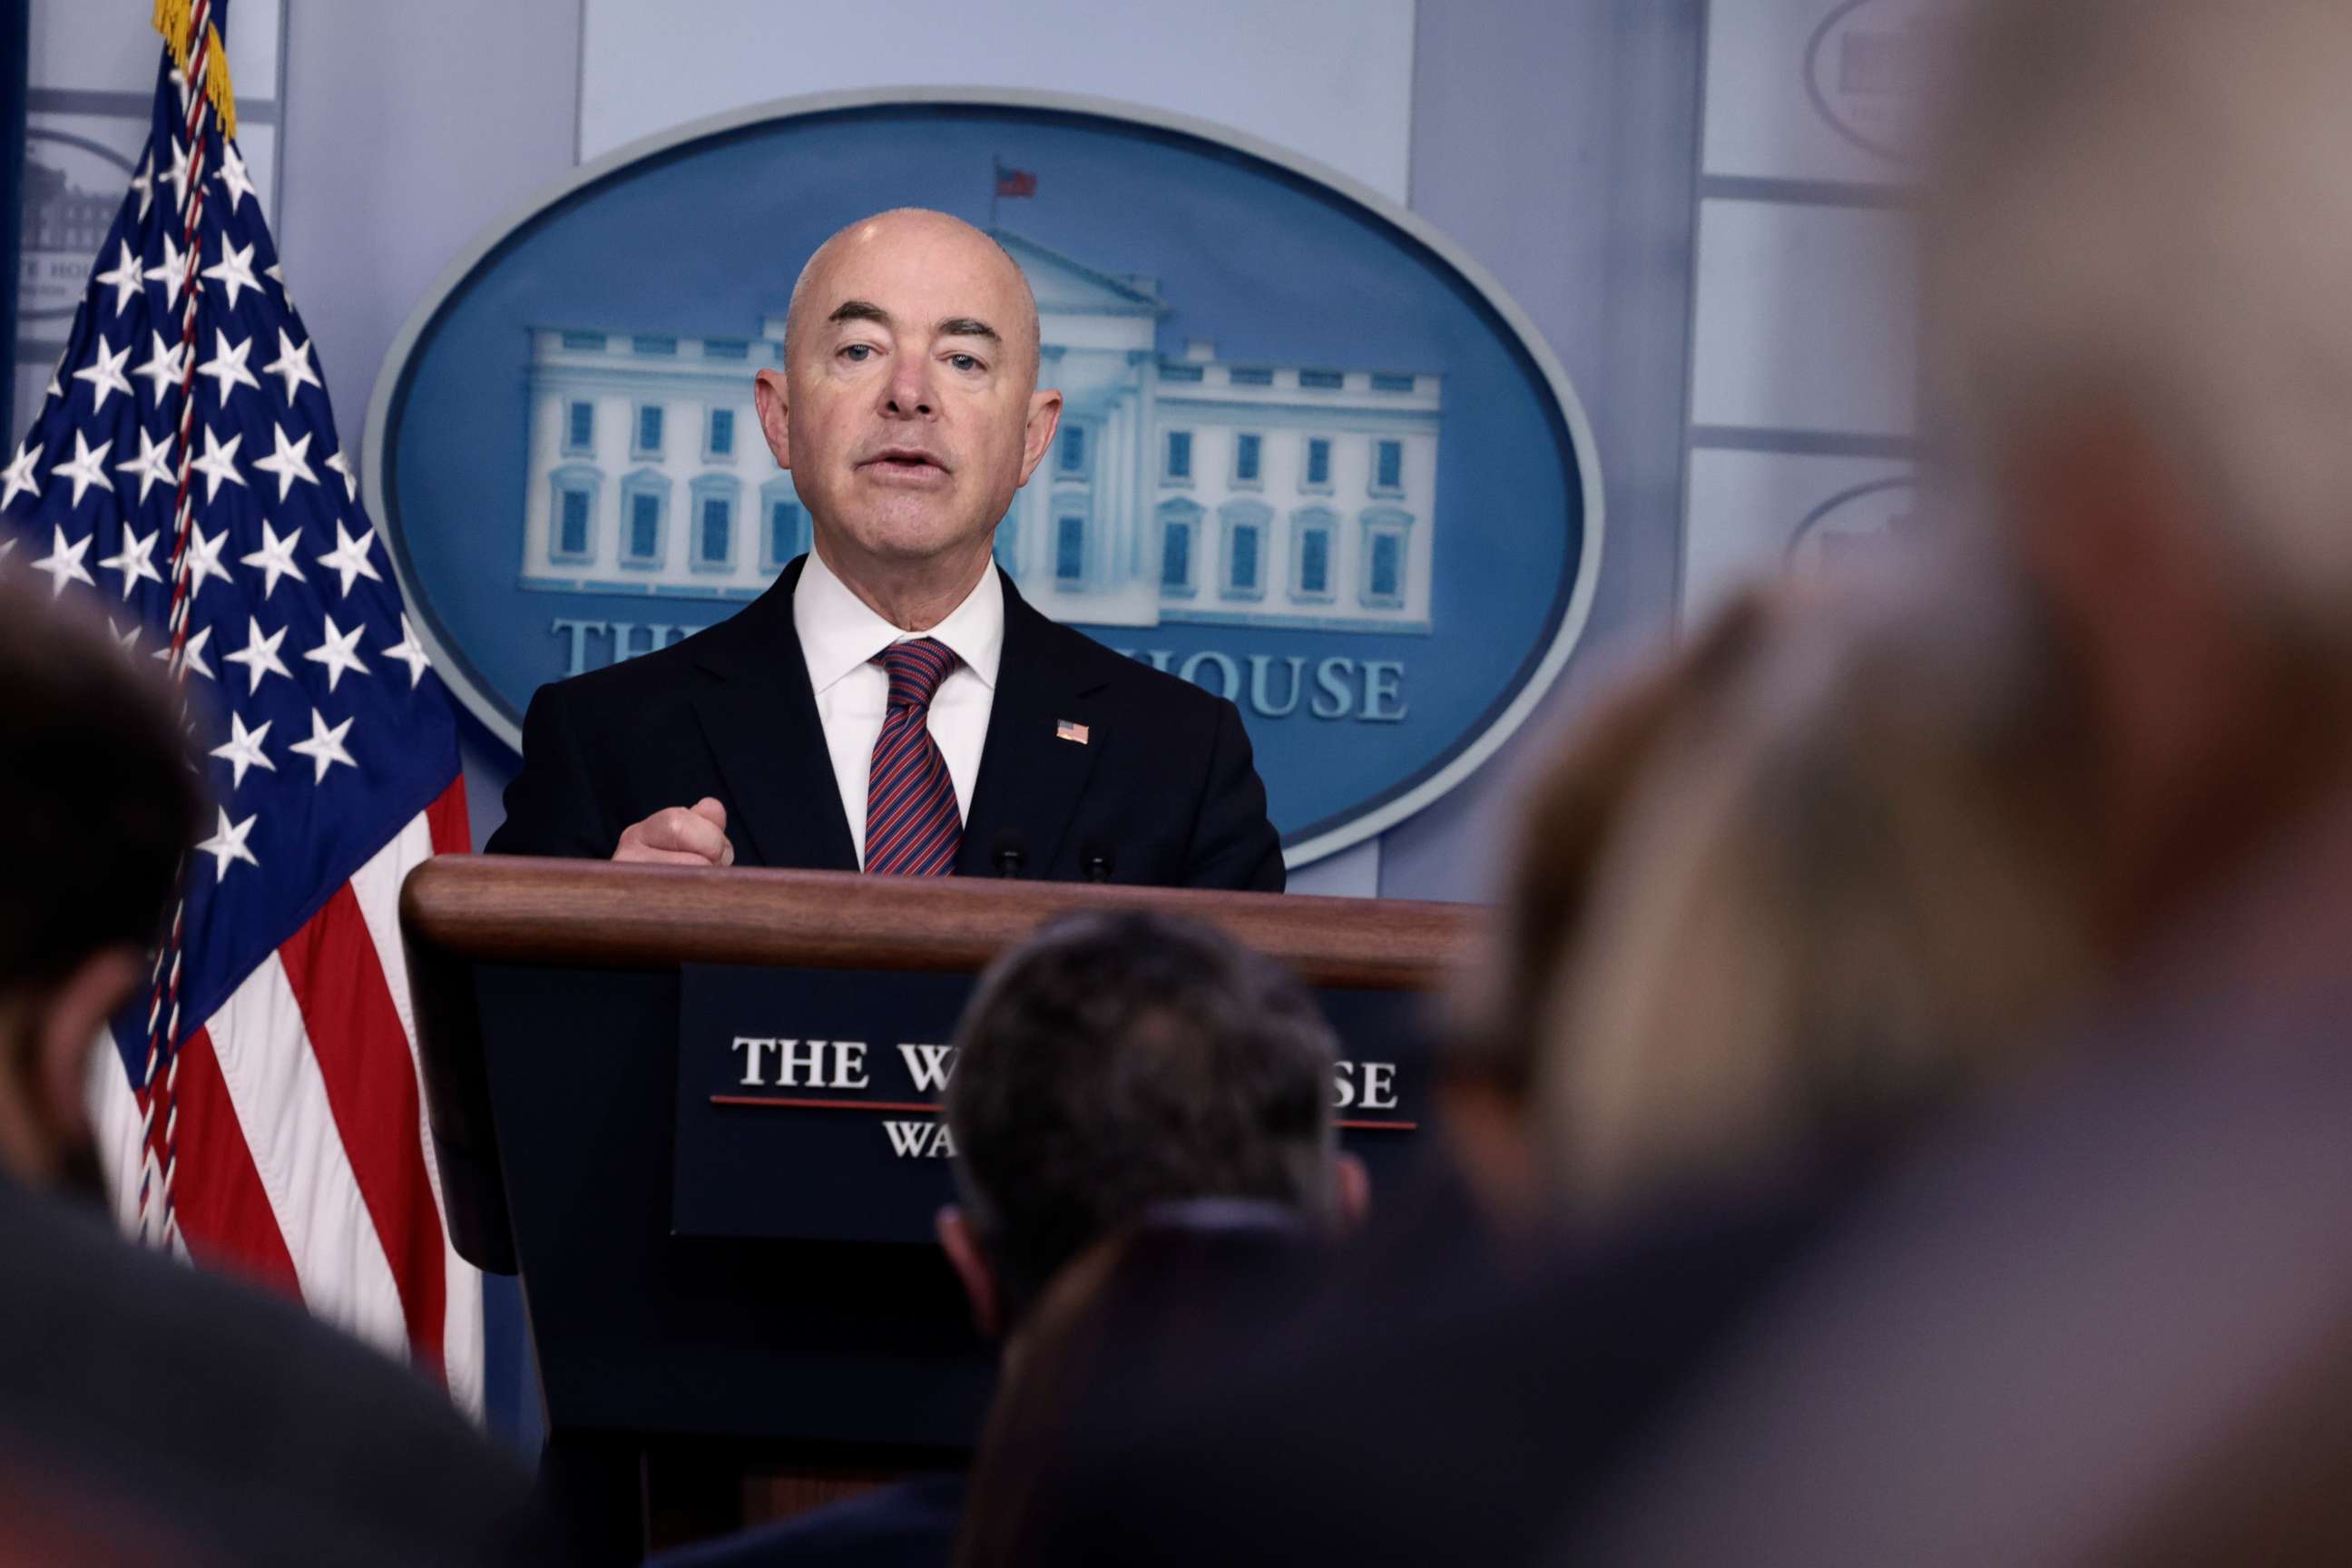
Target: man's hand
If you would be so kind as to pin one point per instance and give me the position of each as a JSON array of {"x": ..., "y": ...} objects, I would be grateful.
[{"x": 680, "y": 835}]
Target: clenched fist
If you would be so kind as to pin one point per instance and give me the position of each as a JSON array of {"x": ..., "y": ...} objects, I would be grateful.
[{"x": 680, "y": 835}]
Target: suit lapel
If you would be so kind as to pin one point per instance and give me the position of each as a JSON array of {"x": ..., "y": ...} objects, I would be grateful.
[
  {"x": 760, "y": 719},
  {"x": 1030, "y": 779}
]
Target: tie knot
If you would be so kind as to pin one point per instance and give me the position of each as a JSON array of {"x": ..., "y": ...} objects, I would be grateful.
[{"x": 916, "y": 669}]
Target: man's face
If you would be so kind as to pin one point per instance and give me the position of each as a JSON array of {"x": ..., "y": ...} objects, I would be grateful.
[{"x": 910, "y": 417}]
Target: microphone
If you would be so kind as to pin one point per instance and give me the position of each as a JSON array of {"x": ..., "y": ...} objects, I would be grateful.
[
  {"x": 1010, "y": 853},
  {"x": 1094, "y": 860}
]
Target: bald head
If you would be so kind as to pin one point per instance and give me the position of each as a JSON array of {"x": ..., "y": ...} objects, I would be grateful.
[
  {"x": 924, "y": 232},
  {"x": 907, "y": 408}
]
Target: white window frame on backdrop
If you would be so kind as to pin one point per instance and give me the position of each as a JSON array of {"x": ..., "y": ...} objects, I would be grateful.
[
  {"x": 638, "y": 447},
  {"x": 1187, "y": 515},
  {"x": 1308, "y": 483},
  {"x": 728, "y": 490},
  {"x": 570, "y": 480},
  {"x": 1384, "y": 522},
  {"x": 712, "y": 452},
  {"x": 1233, "y": 519},
  {"x": 644, "y": 482},
  {"x": 1309, "y": 520},
  {"x": 573, "y": 445}
]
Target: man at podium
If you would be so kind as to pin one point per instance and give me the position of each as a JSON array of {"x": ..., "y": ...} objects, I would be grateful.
[{"x": 891, "y": 703}]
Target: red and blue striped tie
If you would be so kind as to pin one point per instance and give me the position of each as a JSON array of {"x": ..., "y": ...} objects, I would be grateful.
[{"x": 911, "y": 826}]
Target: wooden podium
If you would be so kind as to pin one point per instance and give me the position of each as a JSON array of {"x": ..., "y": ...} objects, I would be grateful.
[{"x": 692, "y": 1355}]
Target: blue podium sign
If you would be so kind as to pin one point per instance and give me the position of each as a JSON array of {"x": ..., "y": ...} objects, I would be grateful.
[{"x": 809, "y": 1100}]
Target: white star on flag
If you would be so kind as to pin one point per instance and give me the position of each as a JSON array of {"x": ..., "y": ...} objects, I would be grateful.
[
  {"x": 339, "y": 650},
  {"x": 87, "y": 467},
  {"x": 171, "y": 272},
  {"x": 275, "y": 558},
  {"x": 288, "y": 462},
  {"x": 178, "y": 178},
  {"x": 325, "y": 746},
  {"x": 293, "y": 363},
  {"x": 227, "y": 364},
  {"x": 233, "y": 271},
  {"x": 243, "y": 749},
  {"x": 350, "y": 557},
  {"x": 135, "y": 560},
  {"x": 191, "y": 655},
  {"x": 63, "y": 563},
  {"x": 204, "y": 558},
  {"x": 17, "y": 478},
  {"x": 259, "y": 654},
  {"x": 218, "y": 463},
  {"x": 144, "y": 184},
  {"x": 104, "y": 374},
  {"x": 165, "y": 367},
  {"x": 227, "y": 843},
  {"x": 151, "y": 466},
  {"x": 233, "y": 176},
  {"x": 126, "y": 279},
  {"x": 128, "y": 639},
  {"x": 343, "y": 464},
  {"x": 409, "y": 652}
]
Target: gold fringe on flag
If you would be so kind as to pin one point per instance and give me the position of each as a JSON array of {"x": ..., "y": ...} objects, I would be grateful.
[{"x": 174, "y": 21}]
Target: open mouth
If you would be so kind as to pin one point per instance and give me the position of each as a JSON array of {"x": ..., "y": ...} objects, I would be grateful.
[{"x": 905, "y": 461}]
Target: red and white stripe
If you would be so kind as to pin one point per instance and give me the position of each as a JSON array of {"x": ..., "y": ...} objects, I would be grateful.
[{"x": 302, "y": 1152}]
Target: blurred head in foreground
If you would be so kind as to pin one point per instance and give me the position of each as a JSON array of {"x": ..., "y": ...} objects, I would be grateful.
[
  {"x": 2138, "y": 369},
  {"x": 100, "y": 802},
  {"x": 1923, "y": 835},
  {"x": 1113, "y": 1063},
  {"x": 1856, "y": 894},
  {"x": 1574, "y": 806}
]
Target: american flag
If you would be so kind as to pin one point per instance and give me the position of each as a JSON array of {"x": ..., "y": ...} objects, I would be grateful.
[
  {"x": 1010, "y": 182},
  {"x": 263, "y": 1109}
]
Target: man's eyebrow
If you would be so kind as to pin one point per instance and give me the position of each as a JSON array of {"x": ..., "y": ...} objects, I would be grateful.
[
  {"x": 859, "y": 311},
  {"x": 966, "y": 327}
]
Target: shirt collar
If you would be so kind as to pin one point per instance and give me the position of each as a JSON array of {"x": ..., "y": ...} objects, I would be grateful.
[{"x": 839, "y": 632}]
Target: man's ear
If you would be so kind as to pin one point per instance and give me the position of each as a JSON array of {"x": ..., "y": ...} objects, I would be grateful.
[
  {"x": 962, "y": 1248},
  {"x": 72, "y": 1016},
  {"x": 1351, "y": 1187},
  {"x": 771, "y": 396},
  {"x": 1045, "y": 417}
]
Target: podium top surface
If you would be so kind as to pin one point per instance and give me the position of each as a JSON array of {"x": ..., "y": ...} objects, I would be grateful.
[{"x": 475, "y": 908}]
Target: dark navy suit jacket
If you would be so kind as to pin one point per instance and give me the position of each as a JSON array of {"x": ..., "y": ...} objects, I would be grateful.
[
  {"x": 1163, "y": 791},
  {"x": 907, "y": 1526}
]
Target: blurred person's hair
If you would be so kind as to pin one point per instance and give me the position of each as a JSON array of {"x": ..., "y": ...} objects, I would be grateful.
[
  {"x": 1571, "y": 806},
  {"x": 1847, "y": 899},
  {"x": 1114, "y": 1062},
  {"x": 1496, "y": 1037},
  {"x": 99, "y": 791},
  {"x": 2141, "y": 206}
]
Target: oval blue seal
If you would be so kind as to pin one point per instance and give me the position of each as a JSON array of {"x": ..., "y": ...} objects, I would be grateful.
[{"x": 1311, "y": 456}]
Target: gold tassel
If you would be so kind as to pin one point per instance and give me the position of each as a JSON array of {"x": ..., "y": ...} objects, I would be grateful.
[{"x": 174, "y": 20}]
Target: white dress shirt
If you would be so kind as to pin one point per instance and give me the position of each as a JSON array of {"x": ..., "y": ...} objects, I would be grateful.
[{"x": 840, "y": 635}]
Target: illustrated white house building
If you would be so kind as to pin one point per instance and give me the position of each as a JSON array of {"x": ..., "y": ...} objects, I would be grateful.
[{"x": 1186, "y": 488}]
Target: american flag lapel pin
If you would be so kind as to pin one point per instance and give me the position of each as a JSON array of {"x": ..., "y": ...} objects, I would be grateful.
[{"x": 1066, "y": 731}]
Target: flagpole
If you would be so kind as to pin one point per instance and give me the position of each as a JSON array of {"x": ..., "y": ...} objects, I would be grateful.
[{"x": 197, "y": 49}]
